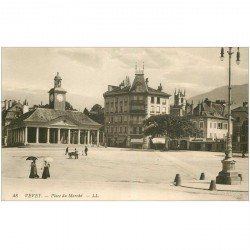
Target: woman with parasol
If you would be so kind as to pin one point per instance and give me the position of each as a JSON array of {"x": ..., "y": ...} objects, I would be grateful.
[
  {"x": 33, "y": 169},
  {"x": 46, "y": 167}
]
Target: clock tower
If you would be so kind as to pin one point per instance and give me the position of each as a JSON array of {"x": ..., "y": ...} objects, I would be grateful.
[{"x": 57, "y": 95}]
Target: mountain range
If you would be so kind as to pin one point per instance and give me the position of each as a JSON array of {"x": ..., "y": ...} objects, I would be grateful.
[{"x": 239, "y": 95}]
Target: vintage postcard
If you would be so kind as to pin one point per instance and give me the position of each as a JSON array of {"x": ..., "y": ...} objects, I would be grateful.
[{"x": 125, "y": 124}]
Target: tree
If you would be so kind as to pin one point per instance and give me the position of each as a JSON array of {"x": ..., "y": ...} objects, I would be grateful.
[
  {"x": 68, "y": 106},
  {"x": 96, "y": 113},
  {"x": 170, "y": 126},
  {"x": 86, "y": 112}
]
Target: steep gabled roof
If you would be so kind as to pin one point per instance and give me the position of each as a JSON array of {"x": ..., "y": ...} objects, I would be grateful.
[
  {"x": 210, "y": 109},
  {"x": 139, "y": 81},
  {"x": 144, "y": 88},
  {"x": 241, "y": 109}
]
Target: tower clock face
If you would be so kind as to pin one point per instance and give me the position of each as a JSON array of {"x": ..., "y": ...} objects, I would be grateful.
[
  {"x": 51, "y": 97},
  {"x": 59, "y": 97}
]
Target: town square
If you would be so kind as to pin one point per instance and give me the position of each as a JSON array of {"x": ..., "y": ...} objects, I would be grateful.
[
  {"x": 105, "y": 173},
  {"x": 138, "y": 139}
]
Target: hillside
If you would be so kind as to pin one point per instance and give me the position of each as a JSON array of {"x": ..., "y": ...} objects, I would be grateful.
[
  {"x": 36, "y": 96},
  {"x": 239, "y": 94}
]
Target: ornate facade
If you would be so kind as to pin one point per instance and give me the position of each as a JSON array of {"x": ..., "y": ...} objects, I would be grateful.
[{"x": 126, "y": 106}]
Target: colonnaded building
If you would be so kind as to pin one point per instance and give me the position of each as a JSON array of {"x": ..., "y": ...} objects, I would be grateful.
[
  {"x": 53, "y": 125},
  {"x": 125, "y": 108}
]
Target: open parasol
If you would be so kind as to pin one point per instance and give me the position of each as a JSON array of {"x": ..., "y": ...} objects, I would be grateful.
[
  {"x": 48, "y": 159},
  {"x": 31, "y": 158}
]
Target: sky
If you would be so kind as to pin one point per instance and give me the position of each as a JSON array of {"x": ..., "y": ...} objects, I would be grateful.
[{"x": 89, "y": 71}]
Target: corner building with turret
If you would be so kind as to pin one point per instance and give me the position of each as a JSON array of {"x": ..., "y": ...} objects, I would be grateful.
[{"x": 126, "y": 107}]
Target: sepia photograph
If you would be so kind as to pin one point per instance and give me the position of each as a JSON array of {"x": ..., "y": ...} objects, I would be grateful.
[{"x": 163, "y": 123}]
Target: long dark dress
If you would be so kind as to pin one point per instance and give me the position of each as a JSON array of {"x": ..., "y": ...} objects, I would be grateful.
[
  {"x": 46, "y": 173},
  {"x": 33, "y": 171}
]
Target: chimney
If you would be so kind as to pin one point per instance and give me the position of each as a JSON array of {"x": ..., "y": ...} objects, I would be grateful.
[
  {"x": 199, "y": 108},
  {"x": 6, "y": 105},
  {"x": 245, "y": 104},
  {"x": 146, "y": 81},
  {"x": 25, "y": 107},
  {"x": 10, "y": 103},
  {"x": 192, "y": 107},
  {"x": 208, "y": 102},
  {"x": 159, "y": 87}
]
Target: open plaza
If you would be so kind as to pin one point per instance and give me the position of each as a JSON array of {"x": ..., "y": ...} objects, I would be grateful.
[{"x": 118, "y": 174}]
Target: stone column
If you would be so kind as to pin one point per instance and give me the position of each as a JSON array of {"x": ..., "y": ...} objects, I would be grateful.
[
  {"x": 79, "y": 136},
  {"x": 25, "y": 135},
  {"x": 68, "y": 136},
  {"x": 48, "y": 135},
  {"x": 88, "y": 138},
  {"x": 37, "y": 135},
  {"x": 58, "y": 136},
  {"x": 22, "y": 135},
  {"x": 97, "y": 139}
]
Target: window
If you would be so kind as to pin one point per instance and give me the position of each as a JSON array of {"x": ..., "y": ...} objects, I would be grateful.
[
  {"x": 111, "y": 109},
  {"x": 202, "y": 124},
  {"x": 152, "y": 109},
  {"x": 219, "y": 125},
  {"x": 134, "y": 130},
  {"x": 164, "y": 101},
  {"x": 157, "y": 109},
  {"x": 111, "y": 119},
  {"x": 115, "y": 119},
  {"x": 125, "y": 129},
  {"x": 224, "y": 125},
  {"x": 125, "y": 118},
  {"x": 107, "y": 130},
  {"x": 152, "y": 99},
  {"x": 140, "y": 130},
  {"x": 164, "y": 110},
  {"x": 237, "y": 119},
  {"x": 215, "y": 125},
  {"x": 107, "y": 108},
  {"x": 125, "y": 107},
  {"x": 112, "y": 129},
  {"x": 120, "y": 129},
  {"x": 158, "y": 100},
  {"x": 195, "y": 124}
]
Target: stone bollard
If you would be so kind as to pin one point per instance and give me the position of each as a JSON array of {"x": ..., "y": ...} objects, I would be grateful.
[
  {"x": 212, "y": 186},
  {"x": 240, "y": 175},
  {"x": 177, "y": 180},
  {"x": 202, "y": 177},
  {"x": 176, "y": 176}
]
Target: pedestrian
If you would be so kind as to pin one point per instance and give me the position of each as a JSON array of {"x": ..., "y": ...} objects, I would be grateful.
[
  {"x": 76, "y": 154},
  {"x": 67, "y": 150},
  {"x": 33, "y": 170},
  {"x": 46, "y": 173},
  {"x": 86, "y": 150}
]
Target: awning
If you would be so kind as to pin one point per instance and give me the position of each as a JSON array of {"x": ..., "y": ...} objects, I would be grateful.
[{"x": 158, "y": 140}]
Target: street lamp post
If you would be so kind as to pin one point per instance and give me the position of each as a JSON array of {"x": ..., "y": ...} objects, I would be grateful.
[{"x": 229, "y": 175}]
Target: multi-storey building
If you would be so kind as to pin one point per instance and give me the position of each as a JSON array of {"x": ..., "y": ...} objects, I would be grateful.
[
  {"x": 240, "y": 128},
  {"x": 126, "y": 106},
  {"x": 210, "y": 117}
]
